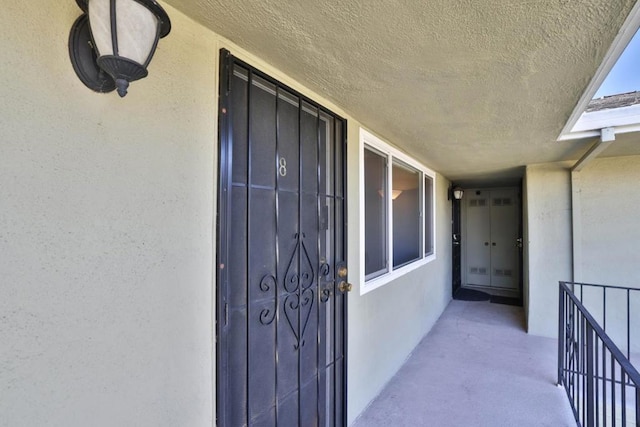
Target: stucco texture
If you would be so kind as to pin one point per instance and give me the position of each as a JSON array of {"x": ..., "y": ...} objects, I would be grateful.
[
  {"x": 106, "y": 228},
  {"x": 602, "y": 249},
  {"x": 475, "y": 89},
  {"x": 107, "y": 237},
  {"x": 609, "y": 236},
  {"x": 609, "y": 215},
  {"x": 547, "y": 243},
  {"x": 107, "y": 204}
]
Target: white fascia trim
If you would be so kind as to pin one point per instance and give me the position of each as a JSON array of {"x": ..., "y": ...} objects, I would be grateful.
[
  {"x": 622, "y": 39},
  {"x": 617, "y": 130},
  {"x": 369, "y": 139},
  {"x": 613, "y": 117}
]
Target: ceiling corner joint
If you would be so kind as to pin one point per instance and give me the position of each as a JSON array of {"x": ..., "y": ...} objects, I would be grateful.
[
  {"x": 607, "y": 137},
  {"x": 608, "y": 134}
]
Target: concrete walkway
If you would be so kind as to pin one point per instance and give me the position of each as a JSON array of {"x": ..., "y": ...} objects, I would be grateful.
[{"x": 477, "y": 367}]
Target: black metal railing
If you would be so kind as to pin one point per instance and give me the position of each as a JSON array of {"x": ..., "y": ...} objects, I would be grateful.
[{"x": 600, "y": 381}]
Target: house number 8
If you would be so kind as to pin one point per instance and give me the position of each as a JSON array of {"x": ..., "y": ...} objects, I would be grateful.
[{"x": 283, "y": 167}]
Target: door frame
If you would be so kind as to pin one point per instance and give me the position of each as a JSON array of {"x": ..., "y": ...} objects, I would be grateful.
[
  {"x": 223, "y": 212},
  {"x": 459, "y": 231},
  {"x": 456, "y": 245}
]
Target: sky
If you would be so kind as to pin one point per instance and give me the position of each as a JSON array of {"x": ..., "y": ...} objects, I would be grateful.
[{"x": 625, "y": 75}]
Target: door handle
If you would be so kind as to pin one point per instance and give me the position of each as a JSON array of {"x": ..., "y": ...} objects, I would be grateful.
[
  {"x": 493, "y": 244},
  {"x": 345, "y": 287}
]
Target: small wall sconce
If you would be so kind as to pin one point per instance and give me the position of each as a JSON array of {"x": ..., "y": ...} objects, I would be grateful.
[
  {"x": 456, "y": 193},
  {"x": 111, "y": 44}
]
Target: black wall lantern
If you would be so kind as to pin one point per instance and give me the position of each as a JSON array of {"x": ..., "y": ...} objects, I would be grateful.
[
  {"x": 455, "y": 193},
  {"x": 113, "y": 41}
]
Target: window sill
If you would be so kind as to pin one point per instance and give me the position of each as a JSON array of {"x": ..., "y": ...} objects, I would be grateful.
[{"x": 380, "y": 281}]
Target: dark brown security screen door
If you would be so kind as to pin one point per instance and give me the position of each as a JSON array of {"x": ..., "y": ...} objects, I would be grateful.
[{"x": 281, "y": 227}]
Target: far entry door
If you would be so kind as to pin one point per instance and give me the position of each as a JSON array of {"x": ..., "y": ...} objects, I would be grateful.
[
  {"x": 281, "y": 255},
  {"x": 491, "y": 238}
]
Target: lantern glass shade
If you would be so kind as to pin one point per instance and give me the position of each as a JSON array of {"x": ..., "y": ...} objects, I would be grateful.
[
  {"x": 458, "y": 193},
  {"x": 136, "y": 30},
  {"x": 121, "y": 35}
]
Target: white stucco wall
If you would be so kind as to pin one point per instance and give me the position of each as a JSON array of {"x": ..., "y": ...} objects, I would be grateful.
[
  {"x": 610, "y": 205},
  {"x": 609, "y": 236},
  {"x": 548, "y": 196},
  {"x": 107, "y": 238},
  {"x": 606, "y": 247},
  {"x": 106, "y": 213}
]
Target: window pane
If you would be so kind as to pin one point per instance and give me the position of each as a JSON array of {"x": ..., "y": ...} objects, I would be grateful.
[
  {"x": 375, "y": 214},
  {"x": 406, "y": 214},
  {"x": 428, "y": 215}
]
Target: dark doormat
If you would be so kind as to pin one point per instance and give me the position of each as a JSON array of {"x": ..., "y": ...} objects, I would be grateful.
[
  {"x": 506, "y": 300},
  {"x": 465, "y": 294}
]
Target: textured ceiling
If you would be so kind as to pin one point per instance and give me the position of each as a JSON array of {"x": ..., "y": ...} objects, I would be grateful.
[{"x": 474, "y": 89}]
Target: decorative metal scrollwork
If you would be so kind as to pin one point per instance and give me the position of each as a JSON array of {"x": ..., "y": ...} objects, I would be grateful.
[
  {"x": 268, "y": 315},
  {"x": 300, "y": 295},
  {"x": 325, "y": 269},
  {"x": 298, "y": 304},
  {"x": 325, "y": 295}
]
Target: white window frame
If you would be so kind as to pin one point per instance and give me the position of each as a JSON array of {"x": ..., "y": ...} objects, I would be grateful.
[{"x": 367, "y": 139}]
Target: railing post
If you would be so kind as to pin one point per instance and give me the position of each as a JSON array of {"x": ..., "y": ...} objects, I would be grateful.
[
  {"x": 561, "y": 334},
  {"x": 590, "y": 398},
  {"x": 637, "y": 404},
  {"x": 579, "y": 362}
]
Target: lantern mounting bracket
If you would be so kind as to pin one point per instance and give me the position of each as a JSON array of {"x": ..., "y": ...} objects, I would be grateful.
[
  {"x": 82, "y": 4},
  {"x": 83, "y": 58}
]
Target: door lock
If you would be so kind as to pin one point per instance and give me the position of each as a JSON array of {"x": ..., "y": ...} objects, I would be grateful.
[
  {"x": 342, "y": 272},
  {"x": 345, "y": 287}
]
